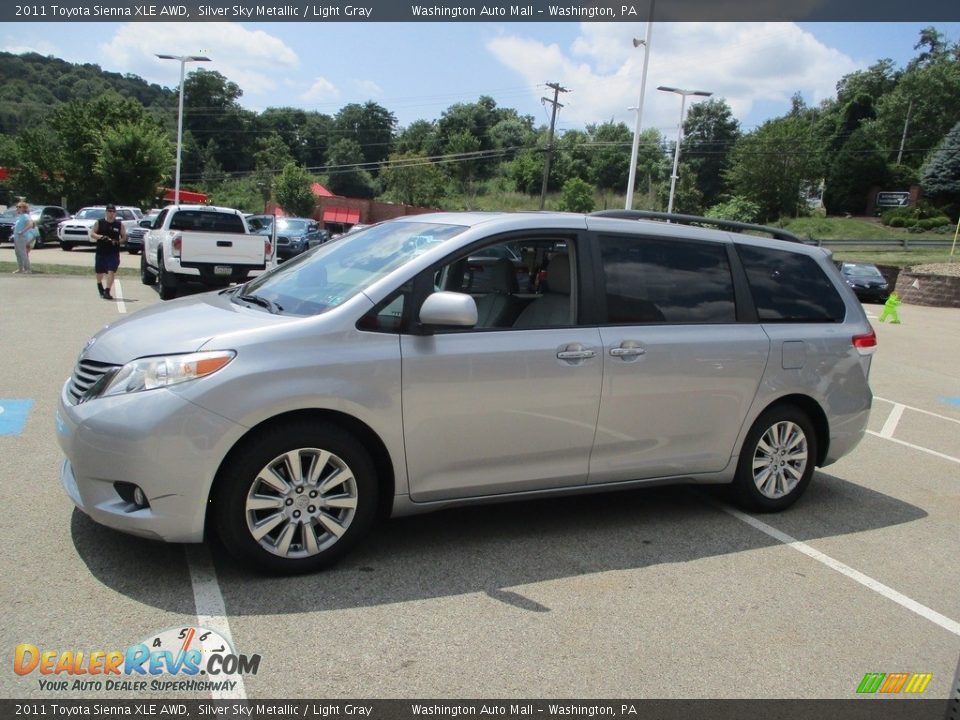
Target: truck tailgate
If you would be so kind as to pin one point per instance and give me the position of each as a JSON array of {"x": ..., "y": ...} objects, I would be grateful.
[{"x": 221, "y": 248}]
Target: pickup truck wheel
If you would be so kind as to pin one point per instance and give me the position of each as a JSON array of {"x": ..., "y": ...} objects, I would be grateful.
[
  {"x": 167, "y": 281},
  {"x": 146, "y": 275},
  {"x": 776, "y": 461},
  {"x": 296, "y": 497},
  {"x": 66, "y": 246}
]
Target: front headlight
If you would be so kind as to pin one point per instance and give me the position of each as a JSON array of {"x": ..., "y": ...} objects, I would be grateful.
[{"x": 155, "y": 372}]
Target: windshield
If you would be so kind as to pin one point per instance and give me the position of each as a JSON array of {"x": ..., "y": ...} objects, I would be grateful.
[
  {"x": 9, "y": 213},
  {"x": 90, "y": 214},
  {"x": 863, "y": 271},
  {"x": 330, "y": 275},
  {"x": 292, "y": 226}
]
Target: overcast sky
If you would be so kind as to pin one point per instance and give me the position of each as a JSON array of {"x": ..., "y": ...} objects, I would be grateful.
[{"x": 418, "y": 70}]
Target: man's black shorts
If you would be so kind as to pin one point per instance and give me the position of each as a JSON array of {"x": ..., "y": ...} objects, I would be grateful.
[{"x": 106, "y": 262}]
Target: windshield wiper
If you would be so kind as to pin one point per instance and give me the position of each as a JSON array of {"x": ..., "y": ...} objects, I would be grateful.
[{"x": 270, "y": 305}]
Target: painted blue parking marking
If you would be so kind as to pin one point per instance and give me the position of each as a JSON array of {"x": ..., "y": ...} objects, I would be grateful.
[
  {"x": 13, "y": 415},
  {"x": 951, "y": 400}
]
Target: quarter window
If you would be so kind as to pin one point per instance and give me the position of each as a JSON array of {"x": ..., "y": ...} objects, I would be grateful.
[
  {"x": 790, "y": 287},
  {"x": 666, "y": 281}
]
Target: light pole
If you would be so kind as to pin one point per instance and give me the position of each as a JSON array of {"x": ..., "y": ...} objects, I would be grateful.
[
  {"x": 184, "y": 59},
  {"x": 637, "y": 42},
  {"x": 676, "y": 153}
]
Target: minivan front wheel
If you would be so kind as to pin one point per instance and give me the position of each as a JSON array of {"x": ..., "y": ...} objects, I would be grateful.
[
  {"x": 296, "y": 498},
  {"x": 777, "y": 460}
]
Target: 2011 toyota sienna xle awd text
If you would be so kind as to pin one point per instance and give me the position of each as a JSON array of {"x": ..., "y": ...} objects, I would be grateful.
[{"x": 387, "y": 373}]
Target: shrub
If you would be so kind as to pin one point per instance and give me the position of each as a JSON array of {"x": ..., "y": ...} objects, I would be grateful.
[
  {"x": 897, "y": 222},
  {"x": 736, "y": 208}
]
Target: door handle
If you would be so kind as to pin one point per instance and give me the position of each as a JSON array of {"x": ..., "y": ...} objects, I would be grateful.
[
  {"x": 576, "y": 351},
  {"x": 628, "y": 350}
]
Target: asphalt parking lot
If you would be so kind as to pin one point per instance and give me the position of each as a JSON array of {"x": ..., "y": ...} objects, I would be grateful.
[{"x": 660, "y": 593}]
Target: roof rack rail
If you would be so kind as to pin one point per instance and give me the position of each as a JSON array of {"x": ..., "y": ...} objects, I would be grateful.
[{"x": 733, "y": 225}]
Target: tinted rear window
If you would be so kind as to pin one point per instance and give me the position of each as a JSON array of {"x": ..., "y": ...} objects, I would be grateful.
[
  {"x": 790, "y": 287},
  {"x": 207, "y": 221},
  {"x": 666, "y": 281}
]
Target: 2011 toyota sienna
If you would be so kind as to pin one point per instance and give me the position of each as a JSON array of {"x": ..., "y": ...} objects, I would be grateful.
[{"x": 388, "y": 374}]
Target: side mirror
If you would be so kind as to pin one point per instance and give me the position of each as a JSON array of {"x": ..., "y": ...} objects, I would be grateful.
[{"x": 449, "y": 309}]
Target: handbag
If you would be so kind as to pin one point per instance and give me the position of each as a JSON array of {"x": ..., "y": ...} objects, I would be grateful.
[{"x": 33, "y": 235}]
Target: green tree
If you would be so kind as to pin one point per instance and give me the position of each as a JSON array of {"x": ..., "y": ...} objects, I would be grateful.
[
  {"x": 38, "y": 160},
  {"x": 413, "y": 180},
  {"x": 859, "y": 165},
  {"x": 709, "y": 134},
  {"x": 80, "y": 126},
  {"x": 292, "y": 192},
  {"x": 371, "y": 127},
  {"x": 609, "y": 156},
  {"x": 346, "y": 174},
  {"x": 132, "y": 161},
  {"x": 941, "y": 173},
  {"x": 929, "y": 91},
  {"x": 576, "y": 196},
  {"x": 465, "y": 162},
  {"x": 770, "y": 165}
]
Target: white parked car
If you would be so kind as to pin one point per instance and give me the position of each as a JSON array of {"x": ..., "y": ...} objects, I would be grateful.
[{"x": 76, "y": 231}]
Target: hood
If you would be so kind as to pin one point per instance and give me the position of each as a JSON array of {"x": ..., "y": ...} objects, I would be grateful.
[
  {"x": 177, "y": 326},
  {"x": 79, "y": 223}
]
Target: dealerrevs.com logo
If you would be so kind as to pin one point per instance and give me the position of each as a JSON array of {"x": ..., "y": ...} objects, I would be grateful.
[{"x": 193, "y": 659}]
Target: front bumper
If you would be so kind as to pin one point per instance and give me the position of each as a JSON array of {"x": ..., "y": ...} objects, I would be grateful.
[{"x": 166, "y": 445}]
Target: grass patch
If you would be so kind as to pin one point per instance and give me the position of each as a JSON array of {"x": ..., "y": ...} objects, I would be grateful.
[
  {"x": 73, "y": 270},
  {"x": 898, "y": 257}
]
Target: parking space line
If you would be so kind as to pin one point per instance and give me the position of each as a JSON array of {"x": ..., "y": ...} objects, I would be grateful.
[
  {"x": 878, "y": 587},
  {"x": 211, "y": 611},
  {"x": 915, "y": 447},
  {"x": 919, "y": 410},
  {"x": 121, "y": 305},
  {"x": 894, "y": 418}
]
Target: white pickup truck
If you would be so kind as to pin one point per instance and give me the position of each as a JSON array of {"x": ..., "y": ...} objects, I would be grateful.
[{"x": 212, "y": 245}]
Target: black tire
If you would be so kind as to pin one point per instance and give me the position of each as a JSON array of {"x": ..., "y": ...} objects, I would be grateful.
[
  {"x": 146, "y": 274},
  {"x": 167, "y": 281},
  {"x": 776, "y": 461},
  {"x": 296, "y": 540},
  {"x": 66, "y": 246}
]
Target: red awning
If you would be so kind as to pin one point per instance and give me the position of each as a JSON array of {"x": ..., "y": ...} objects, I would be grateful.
[
  {"x": 186, "y": 196},
  {"x": 341, "y": 215}
]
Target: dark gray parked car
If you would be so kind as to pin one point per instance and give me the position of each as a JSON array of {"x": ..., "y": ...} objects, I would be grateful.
[{"x": 366, "y": 378}]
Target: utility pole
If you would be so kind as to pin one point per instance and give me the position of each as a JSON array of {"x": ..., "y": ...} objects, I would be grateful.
[
  {"x": 557, "y": 89},
  {"x": 903, "y": 140}
]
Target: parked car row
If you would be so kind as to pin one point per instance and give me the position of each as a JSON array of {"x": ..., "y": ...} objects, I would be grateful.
[
  {"x": 76, "y": 230},
  {"x": 45, "y": 217}
]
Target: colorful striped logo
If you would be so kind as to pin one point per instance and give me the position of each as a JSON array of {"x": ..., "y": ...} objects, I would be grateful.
[{"x": 891, "y": 683}]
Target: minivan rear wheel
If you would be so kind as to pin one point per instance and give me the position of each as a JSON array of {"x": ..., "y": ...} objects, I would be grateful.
[
  {"x": 777, "y": 460},
  {"x": 296, "y": 497}
]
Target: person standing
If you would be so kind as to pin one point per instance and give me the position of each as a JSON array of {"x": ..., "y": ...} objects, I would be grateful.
[
  {"x": 23, "y": 238},
  {"x": 108, "y": 233}
]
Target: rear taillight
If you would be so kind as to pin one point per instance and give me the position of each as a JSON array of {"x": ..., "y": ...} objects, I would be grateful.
[
  {"x": 177, "y": 244},
  {"x": 866, "y": 344},
  {"x": 267, "y": 248}
]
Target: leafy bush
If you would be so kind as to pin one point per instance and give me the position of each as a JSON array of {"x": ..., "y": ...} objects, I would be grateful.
[
  {"x": 577, "y": 196},
  {"x": 896, "y": 221},
  {"x": 915, "y": 228},
  {"x": 736, "y": 208}
]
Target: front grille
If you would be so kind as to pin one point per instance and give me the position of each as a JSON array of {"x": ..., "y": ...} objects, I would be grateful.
[
  {"x": 85, "y": 374},
  {"x": 283, "y": 240}
]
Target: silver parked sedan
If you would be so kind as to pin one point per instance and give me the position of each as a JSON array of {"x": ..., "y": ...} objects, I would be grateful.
[{"x": 375, "y": 376}]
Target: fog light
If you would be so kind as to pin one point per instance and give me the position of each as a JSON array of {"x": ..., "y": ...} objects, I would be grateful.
[{"x": 132, "y": 494}]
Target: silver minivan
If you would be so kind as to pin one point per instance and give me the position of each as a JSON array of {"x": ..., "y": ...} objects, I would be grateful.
[{"x": 458, "y": 358}]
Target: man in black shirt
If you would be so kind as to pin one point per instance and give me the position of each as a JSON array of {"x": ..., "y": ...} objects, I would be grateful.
[{"x": 108, "y": 234}]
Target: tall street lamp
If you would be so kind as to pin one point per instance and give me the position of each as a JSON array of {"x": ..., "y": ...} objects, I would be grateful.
[
  {"x": 184, "y": 59},
  {"x": 676, "y": 153},
  {"x": 637, "y": 42}
]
